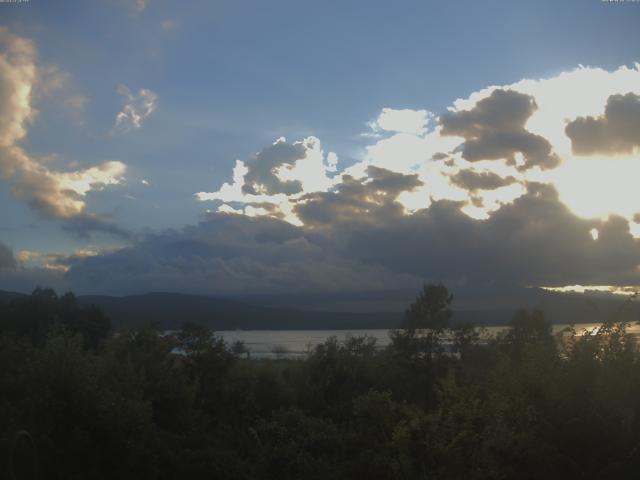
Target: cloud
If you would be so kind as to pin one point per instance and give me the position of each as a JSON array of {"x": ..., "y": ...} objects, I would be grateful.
[
  {"x": 535, "y": 240},
  {"x": 495, "y": 129},
  {"x": 275, "y": 176},
  {"x": 135, "y": 110},
  {"x": 617, "y": 131},
  {"x": 82, "y": 226},
  {"x": 7, "y": 260},
  {"x": 35, "y": 268},
  {"x": 39, "y": 260},
  {"x": 480, "y": 180},
  {"x": 261, "y": 176},
  {"x": 26, "y": 279},
  {"x": 491, "y": 191},
  {"x": 53, "y": 261},
  {"x": 288, "y": 168},
  {"x": 48, "y": 192},
  {"x": 17, "y": 76},
  {"x": 232, "y": 255},
  {"x": 580, "y": 92},
  {"x": 371, "y": 200},
  {"x": 29, "y": 269},
  {"x": 515, "y": 130},
  {"x": 401, "y": 121},
  {"x": 358, "y": 239},
  {"x": 482, "y": 196},
  {"x": 61, "y": 194}
]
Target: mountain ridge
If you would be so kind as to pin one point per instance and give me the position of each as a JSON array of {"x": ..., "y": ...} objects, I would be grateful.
[{"x": 170, "y": 310}]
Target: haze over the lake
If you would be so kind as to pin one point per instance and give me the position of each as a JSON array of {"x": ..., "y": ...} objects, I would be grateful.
[{"x": 294, "y": 147}]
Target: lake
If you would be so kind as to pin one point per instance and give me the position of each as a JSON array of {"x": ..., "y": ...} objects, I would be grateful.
[{"x": 297, "y": 343}]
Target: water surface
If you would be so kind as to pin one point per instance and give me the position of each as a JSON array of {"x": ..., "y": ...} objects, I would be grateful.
[{"x": 297, "y": 343}]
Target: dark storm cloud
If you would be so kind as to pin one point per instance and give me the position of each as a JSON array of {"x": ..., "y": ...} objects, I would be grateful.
[
  {"x": 261, "y": 177},
  {"x": 535, "y": 240},
  {"x": 7, "y": 260},
  {"x": 617, "y": 131},
  {"x": 495, "y": 129},
  {"x": 229, "y": 254},
  {"x": 24, "y": 280},
  {"x": 14, "y": 277},
  {"x": 472, "y": 180},
  {"x": 357, "y": 200}
]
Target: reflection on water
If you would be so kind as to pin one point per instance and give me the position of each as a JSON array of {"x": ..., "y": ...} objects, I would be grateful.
[{"x": 297, "y": 343}]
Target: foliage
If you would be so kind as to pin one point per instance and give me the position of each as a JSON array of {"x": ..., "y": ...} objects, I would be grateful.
[
  {"x": 32, "y": 317},
  {"x": 430, "y": 310},
  {"x": 149, "y": 405}
]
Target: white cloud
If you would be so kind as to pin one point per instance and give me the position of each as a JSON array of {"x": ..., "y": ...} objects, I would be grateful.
[
  {"x": 58, "y": 262},
  {"x": 404, "y": 152},
  {"x": 230, "y": 192},
  {"x": 401, "y": 121},
  {"x": 311, "y": 170},
  {"x": 578, "y": 93},
  {"x": 280, "y": 173},
  {"x": 135, "y": 110},
  {"x": 49, "y": 192},
  {"x": 224, "y": 208},
  {"x": 626, "y": 290},
  {"x": 592, "y": 187}
]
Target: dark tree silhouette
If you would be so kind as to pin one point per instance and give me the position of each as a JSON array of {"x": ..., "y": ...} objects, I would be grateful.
[
  {"x": 148, "y": 405},
  {"x": 418, "y": 343},
  {"x": 430, "y": 310},
  {"x": 34, "y": 316}
]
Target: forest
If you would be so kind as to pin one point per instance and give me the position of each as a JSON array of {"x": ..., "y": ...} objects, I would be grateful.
[{"x": 79, "y": 400}]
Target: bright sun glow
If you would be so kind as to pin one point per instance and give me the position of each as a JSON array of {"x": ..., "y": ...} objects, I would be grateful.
[
  {"x": 599, "y": 187},
  {"x": 628, "y": 290}
]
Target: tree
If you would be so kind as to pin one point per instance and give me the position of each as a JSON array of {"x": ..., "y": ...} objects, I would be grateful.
[
  {"x": 418, "y": 340},
  {"x": 529, "y": 327},
  {"x": 34, "y": 316},
  {"x": 239, "y": 348},
  {"x": 430, "y": 310}
]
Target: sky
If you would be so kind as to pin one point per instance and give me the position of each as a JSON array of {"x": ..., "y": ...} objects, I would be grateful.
[{"x": 250, "y": 147}]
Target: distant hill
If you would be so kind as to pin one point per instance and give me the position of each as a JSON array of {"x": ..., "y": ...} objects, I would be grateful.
[
  {"x": 495, "y": 306},
  {"x": 8, "y": 296},
  {"x": 491, "y": 305},
  {"x": 488, "y": 305},
  {"x": 475, "y": 306},
  {"x": 170, "y": 310}
]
